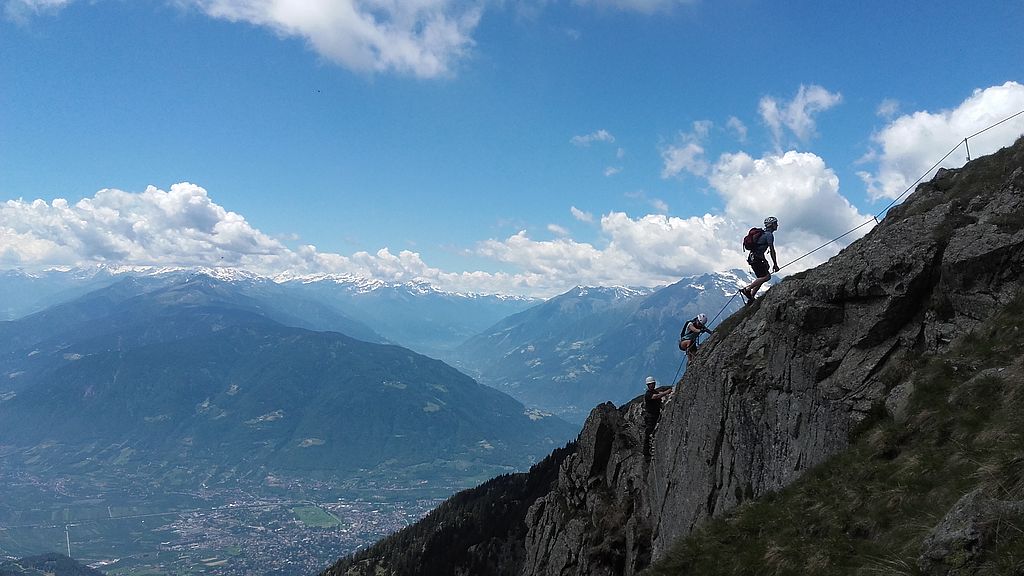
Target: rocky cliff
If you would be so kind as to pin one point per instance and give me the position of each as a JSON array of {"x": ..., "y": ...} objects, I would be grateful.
[
  {"x": 786, "y": 383},
  {"x": 781, "y": 385}
]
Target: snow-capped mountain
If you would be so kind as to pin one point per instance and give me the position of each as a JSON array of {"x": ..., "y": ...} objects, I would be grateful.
[
  {"x": 414, "y": 314},
  {"x": 591, "y": 345}
]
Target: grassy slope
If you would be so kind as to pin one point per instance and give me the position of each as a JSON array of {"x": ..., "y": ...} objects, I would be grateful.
[{"x": 868, "y": 510}]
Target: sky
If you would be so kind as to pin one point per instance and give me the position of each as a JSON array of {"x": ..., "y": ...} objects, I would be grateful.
[{"x": 490, "y": 146}]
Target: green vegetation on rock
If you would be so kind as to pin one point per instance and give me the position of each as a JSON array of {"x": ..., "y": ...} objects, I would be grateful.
[{"x": 870, "y": 509}]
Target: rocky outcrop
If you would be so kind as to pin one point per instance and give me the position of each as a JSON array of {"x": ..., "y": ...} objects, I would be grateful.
[
  {"x": 594, "y": 519},
  {"x": 955, "y": 545},
  {"x": 780, "y": 386}
]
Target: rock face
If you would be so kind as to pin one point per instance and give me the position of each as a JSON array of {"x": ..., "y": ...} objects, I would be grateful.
[
  {"x": 954, "y": 545},
  {"x": 781, "y": 385},
  {"x": 602, "y": 487}
]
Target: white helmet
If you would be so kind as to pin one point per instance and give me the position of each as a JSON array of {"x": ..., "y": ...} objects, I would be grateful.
[
  {"x": 771, "y": 222},
  {"x": 702, "y": 318},
  {"x": 650, "y": 380}
]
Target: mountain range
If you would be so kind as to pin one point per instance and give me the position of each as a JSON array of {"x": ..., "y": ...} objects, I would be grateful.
[
  {"x": 412, "y": 314},
  {"x": 595, "y": 344},
  {"x": 197, "y": 374}
]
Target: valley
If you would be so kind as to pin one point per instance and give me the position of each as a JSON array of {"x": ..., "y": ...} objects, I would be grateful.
[{"x": 131, "y": 526}]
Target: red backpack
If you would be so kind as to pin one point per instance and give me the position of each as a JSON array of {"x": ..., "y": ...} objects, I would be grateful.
[{"x": 750, "y": 240}]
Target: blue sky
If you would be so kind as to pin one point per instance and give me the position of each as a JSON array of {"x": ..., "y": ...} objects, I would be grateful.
[{"x": 498, "y": 146}]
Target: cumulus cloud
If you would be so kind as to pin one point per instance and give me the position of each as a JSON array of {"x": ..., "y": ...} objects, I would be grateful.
[
  {"x": 798, "y": 188},
  {"x": 650, "y": 250},
  {"x": 798, "y": 114},
  {"x": 612, "y": 170},
  {"x": 588, "y": 139},
  {"x": 181, "y": 225},
  {"x": 908, "y": 146}
]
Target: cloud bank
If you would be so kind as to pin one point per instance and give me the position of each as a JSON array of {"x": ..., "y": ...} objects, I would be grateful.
[{"x": 183, "y": 226}]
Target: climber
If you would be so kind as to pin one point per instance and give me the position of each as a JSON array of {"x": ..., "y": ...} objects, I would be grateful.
[
  {"x": 758, "y": 241},
  {"x": 652, "y": 411},
  {"x": 689, "y": 338}
]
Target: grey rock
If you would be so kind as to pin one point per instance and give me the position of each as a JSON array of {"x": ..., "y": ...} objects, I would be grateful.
[
  {"x": 954, "y": 545},
  {"x": 779, "y": 388},
  {"x": 898, "y": 399}
]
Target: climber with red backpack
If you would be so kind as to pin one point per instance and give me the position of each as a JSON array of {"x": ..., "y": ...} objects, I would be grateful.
[{"x": 758, "y": 241}]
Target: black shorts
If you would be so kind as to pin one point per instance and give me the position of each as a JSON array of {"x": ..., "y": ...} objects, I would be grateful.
[{"x": 760, "y": 267}]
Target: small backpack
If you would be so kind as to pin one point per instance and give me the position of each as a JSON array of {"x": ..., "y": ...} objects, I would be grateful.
[
  {"x": 750, "y": 240},
  {"x": 682, "y": 335}
]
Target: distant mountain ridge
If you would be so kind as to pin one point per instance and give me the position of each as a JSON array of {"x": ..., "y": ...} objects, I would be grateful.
[
  {"x": 413, "y": 314},
  {"x": 198, "y": 375},
  {"x": 594, "y": 344}
]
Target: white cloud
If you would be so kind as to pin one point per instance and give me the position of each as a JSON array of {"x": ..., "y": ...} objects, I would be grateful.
[
  {"x": 557, "y": 230},
  {"x": 688, "y": 157},
  {"x": 798, "y": 114},
  {"x": 798, "y": 188},
  {"x": 612, "y": 170},
  {"x": 737, "y": 126},
  {"x": 888, "y": 108},
  {"x": 588, "y": 139},
  {"x": 688, "y": 154},
  {"x": 184, "y": 227},
  {"x": 641, "y": 6},
  {"x": 650, "y": 250},
  {"x": 424, "y": 38},
  {"x": 154, "y": 227},
  {"x": 581, "y": 215},
  {"x": 912, "y": 143}
]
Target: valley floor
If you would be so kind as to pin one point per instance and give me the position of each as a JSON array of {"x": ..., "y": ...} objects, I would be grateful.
[{"x": 224, "y": 531}]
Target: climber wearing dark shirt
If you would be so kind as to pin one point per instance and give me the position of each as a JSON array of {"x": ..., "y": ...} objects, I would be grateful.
[{"x": 652, "y": 411}]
